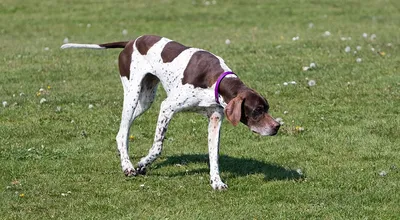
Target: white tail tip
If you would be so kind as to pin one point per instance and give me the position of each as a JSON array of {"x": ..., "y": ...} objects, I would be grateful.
[{"x": 88, "y": 46}]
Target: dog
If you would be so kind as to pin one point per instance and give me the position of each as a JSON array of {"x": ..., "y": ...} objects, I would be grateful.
[{"x": 194, "y": 80}]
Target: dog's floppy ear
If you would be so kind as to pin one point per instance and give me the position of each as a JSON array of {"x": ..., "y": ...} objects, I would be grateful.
[{"x": 233, "y": 110}]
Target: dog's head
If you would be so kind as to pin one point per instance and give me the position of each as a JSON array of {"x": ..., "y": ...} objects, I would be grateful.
[{"x": 251, "y": 109}]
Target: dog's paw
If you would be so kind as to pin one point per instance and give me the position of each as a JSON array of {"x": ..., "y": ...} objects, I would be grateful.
[
  {"x": 218, "y": 185},
  {"x": 141, "y": 170},
  {"x": 130, "y": 172},
  {"x": 128, "y": 168}
]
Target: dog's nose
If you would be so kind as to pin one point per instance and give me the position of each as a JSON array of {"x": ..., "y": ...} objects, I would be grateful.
[
  {"x": 275, "y": 128},
  {"x": 276, "y": 125}
]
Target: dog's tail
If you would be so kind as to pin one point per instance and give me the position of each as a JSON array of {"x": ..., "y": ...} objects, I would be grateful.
[{"x": 120, "y": 44}]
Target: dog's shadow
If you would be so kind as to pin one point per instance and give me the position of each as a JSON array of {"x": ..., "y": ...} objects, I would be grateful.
[{"x": 233, "y": 166}]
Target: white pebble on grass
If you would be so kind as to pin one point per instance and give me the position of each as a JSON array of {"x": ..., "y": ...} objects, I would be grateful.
[
  {"x": 382, "y": 173},
  {"x": 327, "y": 34},
  {"x": 313, "y": 65},
  {"x": 365, "y": 35},
  {"x": 280, "y": 121},
  {"x": 124, "y": 32},
  {"x": 358, "y": 47},
  {"x": 5, "y": 104},
  {"x": 46, "y": 48},
  {"x": 227, "y": 41},
  {"x": 311, "y": 82},
  {"x": 285, "y": 84},
  {"x": 90, "y": 106},
  {"x": 296, "y": 38},
  {"x": 43, "y": 100},
  {"x": 89, "y": 25},
  {"x": 358, "y": 60},
  {"x": 345, "y": 38},
  {"x": 347, "y": 49},
  {"x": 66, "y": 40},
  {"x": 300, "y": 172},
  {"x": 293, "y": 82}
]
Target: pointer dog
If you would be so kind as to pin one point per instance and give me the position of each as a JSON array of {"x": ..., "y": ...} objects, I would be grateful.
[{"x": 194, "y": 80}]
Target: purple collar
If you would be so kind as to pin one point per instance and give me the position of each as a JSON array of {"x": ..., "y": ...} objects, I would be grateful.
[{"x": 220, "y": 78}]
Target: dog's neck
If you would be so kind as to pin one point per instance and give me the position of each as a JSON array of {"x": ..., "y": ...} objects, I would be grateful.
[{"x": 230, "y": 88}]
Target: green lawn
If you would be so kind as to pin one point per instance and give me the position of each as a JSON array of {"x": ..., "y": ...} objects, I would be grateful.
[{"x": 58, "y": 158}]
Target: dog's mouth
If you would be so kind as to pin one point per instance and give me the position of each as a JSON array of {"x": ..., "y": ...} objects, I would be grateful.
[{"x": 265, "y": 131}]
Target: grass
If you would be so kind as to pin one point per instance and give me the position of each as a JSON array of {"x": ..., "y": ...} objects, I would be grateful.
[{"x": 58, "y": 159}]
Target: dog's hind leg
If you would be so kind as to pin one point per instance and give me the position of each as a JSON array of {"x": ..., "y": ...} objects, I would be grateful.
[
  {"x": 132, "y": 94},
  {"x": 147, "y": 94},
  {"x": 167, "y": 110}
]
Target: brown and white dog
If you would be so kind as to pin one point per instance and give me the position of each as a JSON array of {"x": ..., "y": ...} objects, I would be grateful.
[{"x": 194, "y": 80}]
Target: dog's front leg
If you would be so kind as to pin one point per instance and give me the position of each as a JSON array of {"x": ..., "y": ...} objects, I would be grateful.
[
  {"x": 167, "y": 110},
  {"x": 214, "y": 125}
]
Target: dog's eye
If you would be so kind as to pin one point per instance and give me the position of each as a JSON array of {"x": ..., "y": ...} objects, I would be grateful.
[{"x": 257, "y": 112}]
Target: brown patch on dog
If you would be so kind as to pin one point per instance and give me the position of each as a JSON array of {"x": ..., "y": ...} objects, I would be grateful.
[
  {"x": 171, "y": 51},
  {"x": 229, "y": 88},
  {"x": 202, "y": 70},
  {"x": 145, "y": 42},
  {"x": 125, "y": 58}
]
